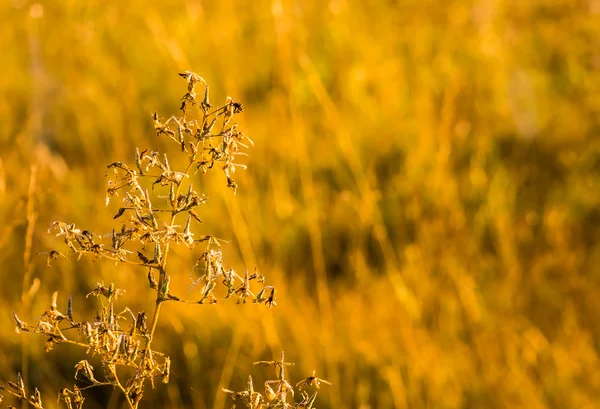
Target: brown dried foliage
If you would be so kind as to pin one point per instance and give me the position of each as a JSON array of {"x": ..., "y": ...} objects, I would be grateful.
[
  {"x": 276, "y": 391},
  {"x": 156, "y": 199}
]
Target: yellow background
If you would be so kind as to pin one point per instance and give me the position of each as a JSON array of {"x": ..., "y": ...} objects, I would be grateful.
[{"x": 424, "y": 191}]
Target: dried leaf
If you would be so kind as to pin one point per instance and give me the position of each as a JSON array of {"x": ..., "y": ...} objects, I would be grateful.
[{"x": 119, "y": 213}]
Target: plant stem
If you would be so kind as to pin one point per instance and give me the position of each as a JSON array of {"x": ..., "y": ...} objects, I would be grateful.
[{"x": 163, "y": 271}]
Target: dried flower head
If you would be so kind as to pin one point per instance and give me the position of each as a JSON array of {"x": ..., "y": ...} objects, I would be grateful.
[
  {"x": 158, "y": 209},
  {"x": 276, "y": 391}
]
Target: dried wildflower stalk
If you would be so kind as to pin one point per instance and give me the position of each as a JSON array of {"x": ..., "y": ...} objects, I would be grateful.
[
  {"x": 159, "y": 207},
  {"x": 276, "y": 391},
  {"x": 18, "y": 390}
]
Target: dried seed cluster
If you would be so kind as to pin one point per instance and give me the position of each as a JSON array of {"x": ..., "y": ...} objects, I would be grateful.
[
  {"x": 105, "y": 337},
  {"x": 276, "y": 391},
  {"x": 159, "y": 206},
  {"x": 154, "y": 198}
]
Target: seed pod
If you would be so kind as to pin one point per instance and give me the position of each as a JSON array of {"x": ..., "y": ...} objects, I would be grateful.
[
  {"x": 142, "y": 257},
  {"x": 70, "y": 308},
  {"x": 152, "y": 280},
  {"x": 138, "y": 157},
  {"x": 259, "y": 297},
  {"x": 21, "y": 326},
  {"x": 140, "y": 322},
  {"x": 157, "y": 253},
  {"x": 21, "y": 383},
  {"x": 119, "y": 213}
]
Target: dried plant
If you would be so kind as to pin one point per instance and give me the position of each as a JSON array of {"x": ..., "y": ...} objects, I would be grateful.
[
  {"x": 158, "y": 209},
  {"x": 18, "y": 389},
  {"x": 276, "y": 391}
]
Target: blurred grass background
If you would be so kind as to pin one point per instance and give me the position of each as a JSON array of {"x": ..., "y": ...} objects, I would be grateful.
[{"x": 424, "y": 191}]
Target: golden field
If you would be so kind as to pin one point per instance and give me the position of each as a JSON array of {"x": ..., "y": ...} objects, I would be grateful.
[{"x": 424, "y": 191}]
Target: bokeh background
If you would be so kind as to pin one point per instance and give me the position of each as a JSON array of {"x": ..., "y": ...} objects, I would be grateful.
[{"x": 424, "y": 191}]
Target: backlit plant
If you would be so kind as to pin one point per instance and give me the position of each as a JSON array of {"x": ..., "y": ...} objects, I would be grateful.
[{"x": 158, "y": 209}]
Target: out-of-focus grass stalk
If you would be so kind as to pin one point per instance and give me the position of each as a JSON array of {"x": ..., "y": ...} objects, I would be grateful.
[{"x": 28, "y": 288}]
